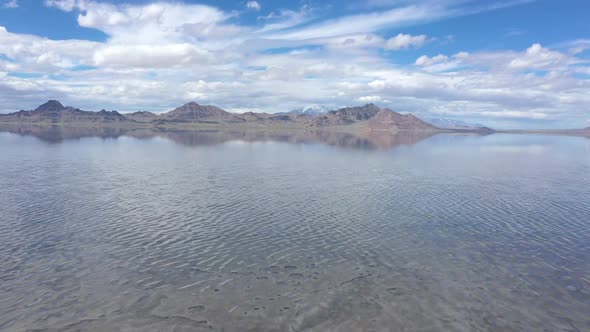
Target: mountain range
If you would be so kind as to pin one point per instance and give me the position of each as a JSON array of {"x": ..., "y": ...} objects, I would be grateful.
[
  {"x": 367, "y": 117},
  {"x": 437, "y": 122},
  {"x": 54, "y": 112}
]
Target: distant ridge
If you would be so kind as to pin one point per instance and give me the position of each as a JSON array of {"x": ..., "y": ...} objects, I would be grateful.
[
  {"x": 368, "y": 117},
  {"x": 452, "y": 124},
  {"x": 142, "y": 116},
  {"x": 53, "y": 112}
]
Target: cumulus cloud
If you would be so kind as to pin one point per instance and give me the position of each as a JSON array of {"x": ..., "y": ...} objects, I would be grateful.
[
  {"x": 150, "y": 56},
  {"x": 157, "y": 35},
  {"x": 537, "y": 57},
  {"x": 42, "y": 54},
  {"x": 253, "y": 5},
  {"x": 534, "y": 58},
  {"x": 142, "y": 23},
  {"x": 405, "y": 41}
]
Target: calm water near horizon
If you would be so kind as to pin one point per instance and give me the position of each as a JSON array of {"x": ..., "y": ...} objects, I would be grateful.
[{"x": 107, "y": 230}]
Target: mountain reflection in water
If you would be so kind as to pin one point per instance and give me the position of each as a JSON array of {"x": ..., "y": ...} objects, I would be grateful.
[{"x": 356, "y": 140}]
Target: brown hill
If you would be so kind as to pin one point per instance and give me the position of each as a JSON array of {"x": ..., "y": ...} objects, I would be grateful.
[{"x": 387, "y": 119}]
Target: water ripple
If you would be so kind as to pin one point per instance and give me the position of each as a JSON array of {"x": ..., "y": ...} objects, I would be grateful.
[{"x": 97, "y": 234}]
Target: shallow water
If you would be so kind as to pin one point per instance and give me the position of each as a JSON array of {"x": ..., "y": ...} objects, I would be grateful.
[{"x": 104, "y": 230}]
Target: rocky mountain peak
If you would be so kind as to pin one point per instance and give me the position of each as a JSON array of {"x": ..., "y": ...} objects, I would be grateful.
[
  {"x": 193, "y": 112},
  {"x": 191, "y": 104},
  {"x": 50, "y": 106}
]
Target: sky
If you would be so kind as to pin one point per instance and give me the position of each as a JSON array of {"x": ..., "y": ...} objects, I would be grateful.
[{"x": 504, "y": 63}]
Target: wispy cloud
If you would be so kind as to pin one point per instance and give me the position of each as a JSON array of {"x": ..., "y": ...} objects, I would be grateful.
[
  {"x": 406, "y": 14},
  {"x": 10, "y": 4}
]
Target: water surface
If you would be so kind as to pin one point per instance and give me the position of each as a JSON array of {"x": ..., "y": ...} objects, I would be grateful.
[{"x": 104, "y": 230}]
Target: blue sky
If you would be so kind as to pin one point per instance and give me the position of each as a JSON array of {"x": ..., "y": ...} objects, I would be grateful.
[{"x": 504, "y": 63}]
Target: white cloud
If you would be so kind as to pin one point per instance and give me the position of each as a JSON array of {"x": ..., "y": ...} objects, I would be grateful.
[
  {"x": 150, "y": 56},
  {"x": 150, "y": 23},
  {"x": 37, "y": 53},
  {"x": 406, "y": 14},
  {"x": 517, "y": 114},
  {"x": 427, "y": 61},
  {"x": 534, "y": 58},
  {"x": 10, "y": 4},
  {"x": 284, "y": 19},
  {"x": 369, "y": 99},
  {"x": 405, "y": 41},
  {"x": 578, "y": 46},
  {"x": 363, "y": 23},
  {"x": 253, "y": 5},
  {"x": 537, "y": 57},
  {"x": 66, "y": 5},
  {"x": 157, "y": 35},
  {"x": 353, "y": 41},
  {"x": 441, "y": 62}
]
